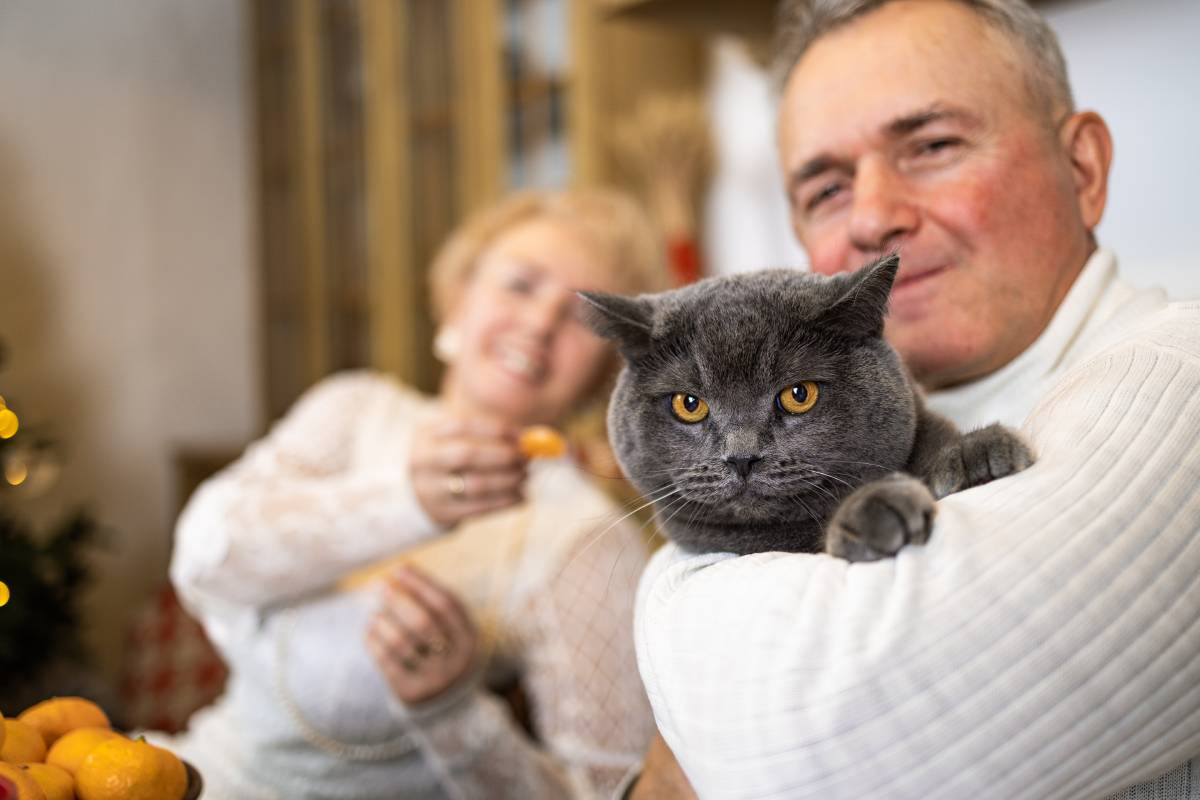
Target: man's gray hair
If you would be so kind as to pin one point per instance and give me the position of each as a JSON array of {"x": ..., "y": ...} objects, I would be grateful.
[{"x": 803, "y": 22}]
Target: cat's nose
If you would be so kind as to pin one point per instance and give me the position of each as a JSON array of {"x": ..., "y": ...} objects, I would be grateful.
[{"x": 742, "y": 464}]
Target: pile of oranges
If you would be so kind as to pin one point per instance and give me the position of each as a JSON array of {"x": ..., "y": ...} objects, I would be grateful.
[{"x": 65, "y": 748}]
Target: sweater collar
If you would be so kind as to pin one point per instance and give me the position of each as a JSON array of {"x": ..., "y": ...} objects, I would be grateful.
[{"x": 1009, "y": 394}]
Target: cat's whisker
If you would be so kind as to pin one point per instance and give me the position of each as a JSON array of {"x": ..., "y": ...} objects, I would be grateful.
[
  {"x": 668, "y": 512},
  {"x": 617, "y": 559},
  {"x": 808, "y": 484},
  {"x": 595, "y": 538},
  {"x": 642, "y": 497},
  {"x": 677, "y": 507},
  {"x": 851, "y": 461},
  {"x": 627, "y": 478},
  {"x": 813, "y": 471},
  {"x": 813, "y": 516}
]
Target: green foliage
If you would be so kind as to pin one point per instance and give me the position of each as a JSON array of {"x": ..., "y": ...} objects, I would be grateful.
[{"x": 45, "y": 575}]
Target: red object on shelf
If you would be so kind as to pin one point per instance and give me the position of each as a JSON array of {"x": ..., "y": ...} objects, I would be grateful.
[{"x": 685, "y": 260}]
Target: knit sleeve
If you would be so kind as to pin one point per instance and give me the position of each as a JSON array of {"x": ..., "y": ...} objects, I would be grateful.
[
  {"x": 300, "y": 508},
  {"x": 1042, "y": 645},
  {"x": 589, "y": 710}
]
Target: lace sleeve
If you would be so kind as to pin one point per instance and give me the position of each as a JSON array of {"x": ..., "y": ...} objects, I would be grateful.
[
  {"x": 589, "y": 709},
  {"x": 299, "y": 508}
]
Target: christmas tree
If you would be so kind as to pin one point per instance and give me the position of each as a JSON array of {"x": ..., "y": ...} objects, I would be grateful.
[{"x": 41, "y": 572}]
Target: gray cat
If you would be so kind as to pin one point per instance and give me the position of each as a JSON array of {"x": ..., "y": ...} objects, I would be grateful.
[{"x": 764, "y": 412}]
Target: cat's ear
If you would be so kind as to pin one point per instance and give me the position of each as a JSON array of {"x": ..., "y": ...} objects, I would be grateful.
[
  {"x": 625, "y": 320},
  {"x": 863, "y": 304}
]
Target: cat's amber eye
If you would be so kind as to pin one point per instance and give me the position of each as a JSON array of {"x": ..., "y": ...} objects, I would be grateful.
[
  {"x": 688, "y": 408},
  {"x": 799, "y": 398}
]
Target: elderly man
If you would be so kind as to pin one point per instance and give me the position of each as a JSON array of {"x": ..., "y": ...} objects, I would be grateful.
[{"x": 1043, "y": 644}]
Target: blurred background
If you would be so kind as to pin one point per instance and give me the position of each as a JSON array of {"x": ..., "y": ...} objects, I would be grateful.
[{"x": 206, "y": 206}]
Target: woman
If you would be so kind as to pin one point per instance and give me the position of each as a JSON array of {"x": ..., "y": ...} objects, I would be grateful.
[{"x": 515, "y": 572}]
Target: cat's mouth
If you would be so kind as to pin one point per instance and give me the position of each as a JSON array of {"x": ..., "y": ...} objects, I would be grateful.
[
  {"x": 744, "y": 503},
  {"x": 708, "y": 535}
]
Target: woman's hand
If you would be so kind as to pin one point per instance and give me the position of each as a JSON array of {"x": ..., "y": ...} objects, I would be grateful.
[
  {"x": 461, "y": 468},
  {"x": 422, "y": 639}
]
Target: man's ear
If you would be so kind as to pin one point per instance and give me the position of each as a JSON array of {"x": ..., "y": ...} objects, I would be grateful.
[
  {"x": 625, "y": 320},
  {"x": 1088, "y": 144}
]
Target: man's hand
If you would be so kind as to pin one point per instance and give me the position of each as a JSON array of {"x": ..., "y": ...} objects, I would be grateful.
[
  {"x": 661, "y": 778},
  {"x": 461, "y": 468},
  {"x": 422, "y": 639}
]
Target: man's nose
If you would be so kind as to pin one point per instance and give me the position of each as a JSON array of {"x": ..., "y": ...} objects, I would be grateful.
[{"x": 883, "y": 213}]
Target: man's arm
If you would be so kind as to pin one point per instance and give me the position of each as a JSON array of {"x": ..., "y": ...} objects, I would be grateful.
[
  {"x": 1041, "y": 645},
  {"x": 661, "y": 777}
]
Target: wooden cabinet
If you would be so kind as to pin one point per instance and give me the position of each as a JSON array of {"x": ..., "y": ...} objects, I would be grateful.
[
  {"x": 382, "y": 123},
  {"x": 747, "y": 18}
]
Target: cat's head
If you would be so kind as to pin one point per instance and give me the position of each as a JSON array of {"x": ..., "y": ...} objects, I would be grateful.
[{"x": 749, "y": 405}]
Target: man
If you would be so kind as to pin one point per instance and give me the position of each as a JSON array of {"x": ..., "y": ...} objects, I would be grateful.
[{"x": 1042, "y": 644}]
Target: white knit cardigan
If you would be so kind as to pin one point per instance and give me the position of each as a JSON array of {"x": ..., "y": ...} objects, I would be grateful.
[
  {"x": 306, "y": 714},
  {"x": 1043, "y": 644}
]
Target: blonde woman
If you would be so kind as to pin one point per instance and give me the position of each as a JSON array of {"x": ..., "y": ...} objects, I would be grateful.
[{"x": 376, "y": 684}]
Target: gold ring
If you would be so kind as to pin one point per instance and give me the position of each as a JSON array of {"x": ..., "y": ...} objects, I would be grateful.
[{"x": 456, "y": 485}]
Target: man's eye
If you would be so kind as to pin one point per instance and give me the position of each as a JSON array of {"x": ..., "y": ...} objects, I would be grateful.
[
  {"x": 822, "y": 195},
  {"x": 935, "y": 147}
]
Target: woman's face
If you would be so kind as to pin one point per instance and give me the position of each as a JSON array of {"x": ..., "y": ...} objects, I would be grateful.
[{"x": 523, "y": 353}]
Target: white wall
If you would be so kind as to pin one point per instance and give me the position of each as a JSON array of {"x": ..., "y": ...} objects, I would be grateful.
[
  {"x": 745, "y": 217},
  {"x": 1134, "y": 61},
  {"x": 127, "y": 297},
  {"x": 1137, "y": 62}
]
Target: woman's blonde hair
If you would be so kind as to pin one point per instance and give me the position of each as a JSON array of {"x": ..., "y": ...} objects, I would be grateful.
[{"x": 612, "y": 223}]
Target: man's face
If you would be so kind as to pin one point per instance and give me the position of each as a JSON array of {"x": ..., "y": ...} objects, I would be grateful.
[{"x": 912, "y": 129}]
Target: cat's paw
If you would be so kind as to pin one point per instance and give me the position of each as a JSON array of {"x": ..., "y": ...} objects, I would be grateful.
[
  {"x": 879, "y": 518},
  {"x": 977, "y": 458}
]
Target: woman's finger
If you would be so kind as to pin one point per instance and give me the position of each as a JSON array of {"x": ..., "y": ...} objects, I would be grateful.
[
  {"x": 484, "y": 505},
  {"x": 461, "y": 453},
  {"x": 441, "y": 605},
  {"x": 391, "y": 633},
  {"x": 397, "y": 669},
  {"x": 423, "y": 626},
  {"x": 481, "y": 484},
  {"x": 470, "y": 484},
  {"x": 447, "y": 427}
]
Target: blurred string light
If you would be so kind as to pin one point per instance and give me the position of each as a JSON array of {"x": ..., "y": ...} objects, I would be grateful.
[
  {"x": 32, "y": 464},
  {"x": 8, "y": 421},
  {"x": 16, "y": 471}
]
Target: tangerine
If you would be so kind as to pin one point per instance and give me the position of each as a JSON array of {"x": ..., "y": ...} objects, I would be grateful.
[
  {"x": 22, "y": 743},
  {"x": 122, "y": 769},
  {"x": 70, "y": 750},
  {"x": 541, "y": 441},
  {"x": 55, "y": 782},
  {"x": 16, "y": 784},
  {"x": 58, "y": 715}
]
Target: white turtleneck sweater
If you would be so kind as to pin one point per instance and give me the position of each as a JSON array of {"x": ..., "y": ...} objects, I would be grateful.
[{"x": 1043, "y": 644}]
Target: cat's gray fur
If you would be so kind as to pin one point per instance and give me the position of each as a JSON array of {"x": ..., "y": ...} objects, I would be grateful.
[{"x": 837, "y": 478}]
